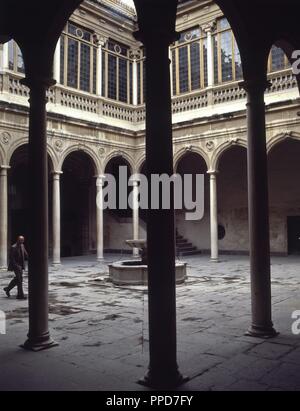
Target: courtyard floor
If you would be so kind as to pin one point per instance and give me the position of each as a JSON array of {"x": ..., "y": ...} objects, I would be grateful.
[{"x": 102, "y": 330}]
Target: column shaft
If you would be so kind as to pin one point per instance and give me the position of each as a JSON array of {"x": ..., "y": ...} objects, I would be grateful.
[
  {"x": 214, "y": 217},
  {"x": 135, "y": 214},
  {"x": 210, "y": 60},
  {"x": 135, "y": 82},
  {"x": 99, "y": 216},
  {"x": 99, "y": 71},
  {"x": 258, "y": 213},
  {"x": 38, "y": 336},
  {"x": 163, "y": 369},
  {"x": 3, "y": 217},
  {"x": 56, "y": 217}
]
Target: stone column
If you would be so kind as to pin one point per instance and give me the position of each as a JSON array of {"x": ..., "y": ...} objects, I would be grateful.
[
  {"x": 134, "y": 82},
  {"x": 56, "y": 63},
  {"x": 135, "y": 214},
  {"x": 3, "y": 217},
  {"x": 209, "y": 28},
  {"x": 38, "y": 336},
  {"x": 214, "y": 216},
  {"x": 163, "y": 369},
  {"x": 262, "y": 325},
  {"x": 99, "y": 216},
  {"x": 100, "y": 41},
  {"x": 56, "y": 217}
]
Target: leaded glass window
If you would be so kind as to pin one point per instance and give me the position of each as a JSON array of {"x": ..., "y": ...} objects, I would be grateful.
[
  {"x": 227, "y": 59},
  {"x": 278, "y": 59},
  {"x": 15, "y": 58},
  {"x": 117, "y": 75},
  {"x": 78, "y": 59},
  {"x": 189, "y": 62}
]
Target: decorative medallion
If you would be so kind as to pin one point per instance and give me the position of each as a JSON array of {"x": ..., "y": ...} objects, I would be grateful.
[
  {"x": 210, "y": 145},
  {"x": 79, "y": 33},
  {"x": 58, "y": 145},
  {"x": 5, "y": 137},
  {"x": 117, "y": 49},
  {"x": 101, "y": 152}
]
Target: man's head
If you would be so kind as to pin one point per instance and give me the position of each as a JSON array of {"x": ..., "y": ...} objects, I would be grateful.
[{"x": 20, "y": 239}]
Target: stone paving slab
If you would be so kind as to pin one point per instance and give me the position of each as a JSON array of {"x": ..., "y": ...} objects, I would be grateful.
[{"x": 102, "y": 330}]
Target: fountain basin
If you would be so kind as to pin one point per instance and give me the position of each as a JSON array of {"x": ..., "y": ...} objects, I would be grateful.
[{"x": 134, "y": 273}]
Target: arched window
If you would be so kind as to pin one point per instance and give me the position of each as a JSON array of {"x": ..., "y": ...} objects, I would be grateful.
[
  {"x": 227, "y": 59},
  {"x": 15, "y": 58},
  {"x": 278, "y": 60},
  {"x": 189, "y": 62}
]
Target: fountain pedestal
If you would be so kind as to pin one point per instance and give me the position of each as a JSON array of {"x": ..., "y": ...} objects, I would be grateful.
[{"x": 132, "y": 272}]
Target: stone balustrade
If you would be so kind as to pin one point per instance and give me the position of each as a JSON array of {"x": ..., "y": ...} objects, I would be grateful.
[{"x": 77, "y": 100}]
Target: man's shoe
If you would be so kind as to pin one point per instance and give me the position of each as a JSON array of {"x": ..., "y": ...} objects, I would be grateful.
[
  {"x": 6, "y": 291},
  {"x": 21, "y": 297}
]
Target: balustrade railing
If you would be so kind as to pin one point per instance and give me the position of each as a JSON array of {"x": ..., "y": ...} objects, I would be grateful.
[{"x": 88, "y": 103}]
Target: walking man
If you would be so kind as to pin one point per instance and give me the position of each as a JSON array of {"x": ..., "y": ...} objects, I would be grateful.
[{"x": 17, "y": 264}]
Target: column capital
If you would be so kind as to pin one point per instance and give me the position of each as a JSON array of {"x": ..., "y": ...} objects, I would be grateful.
[
  {"x": 35, "y": 81},
  {"x": 213, "y": 172},
  {"x": 100, "y": 40},
  {"x": 135, "y": 53},
  {"x": 255, "y": 85},
  {"x": 209, "y": 27},
  {"x": 5, "y": 167},
  {"x": 56, "y": 173},
  {"x": 157, "y": 21},
  {"x": 100, "y": 180}
]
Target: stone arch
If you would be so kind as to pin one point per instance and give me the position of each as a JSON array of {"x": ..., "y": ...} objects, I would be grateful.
[
  {"x": 74, "y": 148},
  {"x": 139, "y": 165},
  {"x": 224, "y": 147},
  {"x": 196, "y": 150},
  {"x": 2, "y": 156},
  {"x": 122, "y": 154},
  {"x": 23, "y": 142},
  {"x": 281, "y": 137}
]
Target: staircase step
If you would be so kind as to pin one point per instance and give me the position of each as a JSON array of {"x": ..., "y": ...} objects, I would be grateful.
[
  {"x": 186, "y": 249},
  {"x": 187, "y": 253}
]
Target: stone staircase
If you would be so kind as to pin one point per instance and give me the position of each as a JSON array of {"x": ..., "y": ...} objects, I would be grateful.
[{"x": 184, "y": 247}]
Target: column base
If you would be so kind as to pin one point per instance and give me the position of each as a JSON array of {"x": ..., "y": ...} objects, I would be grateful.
[
  {"x": 167, "y": 382},
  {"x": 100, "y": 258},
  {"x": 56, "y": 264},
  {"x": 36, "y": 346},
  {"x": 260, "y": 332},
  {"x": 3, "y": 269},
  {"x": 214, "y": 260}
]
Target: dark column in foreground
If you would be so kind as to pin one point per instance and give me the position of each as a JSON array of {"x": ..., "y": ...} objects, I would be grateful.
[
  {"x": 262, "y": 325},
  {"x": 157, "y": 36},
  {"x": 38, "y": 336}
]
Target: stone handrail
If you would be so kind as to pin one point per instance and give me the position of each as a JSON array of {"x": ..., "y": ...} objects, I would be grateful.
[{"x": 89, "y": 103}]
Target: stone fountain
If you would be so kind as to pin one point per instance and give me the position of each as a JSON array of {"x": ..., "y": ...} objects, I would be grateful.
[{"x": 135, "y": 272}]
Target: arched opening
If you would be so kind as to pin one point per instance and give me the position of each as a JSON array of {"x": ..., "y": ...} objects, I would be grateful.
[
  {"x": 118, "y": 220},
  {"x": 284, "y": 197},
  {"x": 233, "y": 201},
  {"x": 78, "y": 205},
  {"x": 193, "y": 236},
  {"x": 18, "y": 195}
]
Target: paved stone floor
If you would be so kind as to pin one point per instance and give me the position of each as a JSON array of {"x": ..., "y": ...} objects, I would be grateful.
[{"x": 102, "y": 330}]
